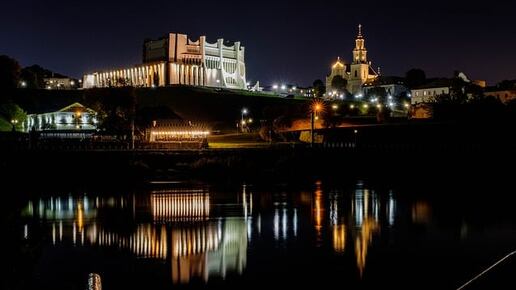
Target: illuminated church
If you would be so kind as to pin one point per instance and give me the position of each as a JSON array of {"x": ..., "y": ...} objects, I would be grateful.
[{"x": 357, "y": 73}]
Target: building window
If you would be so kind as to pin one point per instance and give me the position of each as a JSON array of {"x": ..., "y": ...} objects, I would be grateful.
[{"x": 356, "y": 73}]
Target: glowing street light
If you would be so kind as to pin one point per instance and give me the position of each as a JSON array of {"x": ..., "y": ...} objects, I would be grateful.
[
  {"x": 351, "y": 106},
  {"x": 275, "y": 87},
  {"x": 335, "y": 107},
  {"x": 316, "y": 107},
  {"x": 14, "y": 122},
  {"x": 283, "y": 87},
  {"x": 23, "y": 84},
  {"x": 244, "y": 112}
]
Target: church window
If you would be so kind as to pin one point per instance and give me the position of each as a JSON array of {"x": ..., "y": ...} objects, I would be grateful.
[{"x": 356, "y": 73}]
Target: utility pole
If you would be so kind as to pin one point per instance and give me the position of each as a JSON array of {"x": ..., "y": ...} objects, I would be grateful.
[
  {"x": 133, "y": 116},
  {"x": 312, "y": 125}
]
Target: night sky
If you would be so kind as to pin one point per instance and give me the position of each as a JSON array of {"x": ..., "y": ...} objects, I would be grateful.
[{"x": 286, "y": 41}]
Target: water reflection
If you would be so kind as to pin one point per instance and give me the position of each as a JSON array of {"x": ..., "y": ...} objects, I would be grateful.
[
  {"x": 201, "y": 235},
  {"x": 180, "y": 229},
  {"x": 357, "y": 218}
]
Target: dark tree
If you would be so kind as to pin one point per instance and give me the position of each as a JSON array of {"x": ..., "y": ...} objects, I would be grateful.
[
  {"x": 415, "y": 77},
  {"x": 34, "y": 76},
  {"x": 377, "y": 92},
  {"x": 9, "y": 72},
  {"x": 319, "y": 88},
  {"x": 339, "y": 84},
  {"x": 12, "y": 114},
  {"x": 31, "y": 79},
  {"x": 507, "y": 85}
]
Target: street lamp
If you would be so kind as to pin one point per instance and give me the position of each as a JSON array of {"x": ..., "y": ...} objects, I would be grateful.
[
  {"x": 242, "y": 122},
  {"x": 314, "y": 110},
  {"x": 14, "y": 122}
]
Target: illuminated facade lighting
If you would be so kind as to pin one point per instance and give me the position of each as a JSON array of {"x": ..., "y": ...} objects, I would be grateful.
[{"x": 182, "y": 62}]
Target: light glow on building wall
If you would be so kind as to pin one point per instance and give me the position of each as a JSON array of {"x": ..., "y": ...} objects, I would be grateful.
[{"x": 183, "y": 62}]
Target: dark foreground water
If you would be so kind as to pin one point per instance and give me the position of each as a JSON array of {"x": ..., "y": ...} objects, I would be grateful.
[{"x": 184, "y": 235}]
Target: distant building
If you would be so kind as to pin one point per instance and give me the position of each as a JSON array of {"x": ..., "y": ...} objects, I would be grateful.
[
  {"x": 429, "y": 92},
  {"x": 421, "y": 111},
  {"x": 504, "y": 95},
  {"x": 480, "y": 83},
  {"x": 177, "y": 60},
  {"x": 74, "y": 117},
  {"x": 56, "y": 83},
  {"x": 178, "y": 134},
  {"x": 394, "y": 86},
  {"x": 358, "y": 72}
]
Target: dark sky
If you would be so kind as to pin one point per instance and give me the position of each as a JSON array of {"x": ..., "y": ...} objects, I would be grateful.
[{"x": 286, "y": 41}]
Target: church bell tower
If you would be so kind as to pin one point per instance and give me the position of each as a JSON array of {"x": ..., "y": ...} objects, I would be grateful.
[{"x": 359, "y": 68}]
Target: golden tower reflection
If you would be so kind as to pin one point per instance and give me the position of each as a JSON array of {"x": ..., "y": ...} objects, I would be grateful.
[
  {"x": 365, "y": 211},
  {"x": 318, "y": 210}
]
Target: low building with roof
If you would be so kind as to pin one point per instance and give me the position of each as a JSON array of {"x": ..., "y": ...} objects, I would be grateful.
[
  {"x": 74, "y": 117},
  {"x": 175, "y": 133},
  {"x": 394, "y": 86},
  {"x": 428, "y": 93}
]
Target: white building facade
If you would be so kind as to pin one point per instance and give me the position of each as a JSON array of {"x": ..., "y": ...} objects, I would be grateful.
[
  {"x": 72, "y": 117},
  {"x": 428, "y": 94},
  {"x": 177, "y": 60}
]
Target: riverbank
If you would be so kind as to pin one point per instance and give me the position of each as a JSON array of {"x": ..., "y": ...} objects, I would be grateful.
[{"x": 414, "y": 151}]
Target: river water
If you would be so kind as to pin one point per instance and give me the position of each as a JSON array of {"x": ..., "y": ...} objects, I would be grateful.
[{"x": 196, "y": 235}]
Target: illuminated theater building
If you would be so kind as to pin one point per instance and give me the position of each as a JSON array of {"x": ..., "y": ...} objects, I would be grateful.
[{"x": 177, "y": 60}]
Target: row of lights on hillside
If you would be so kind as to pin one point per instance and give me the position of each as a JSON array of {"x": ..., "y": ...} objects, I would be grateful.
[
  {"x": 285, "y": 88},
  {"x": 23, "y": 84},
  {"x": 318, "y": 107}
]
